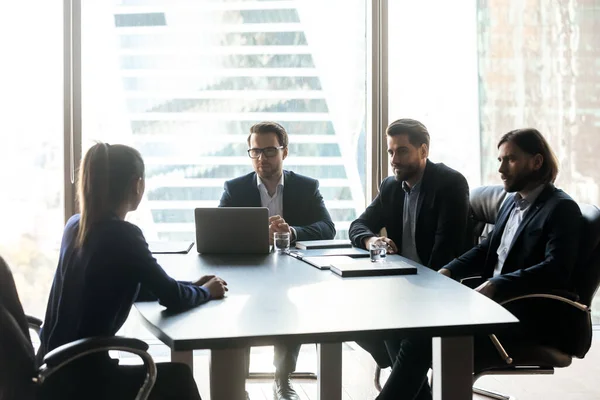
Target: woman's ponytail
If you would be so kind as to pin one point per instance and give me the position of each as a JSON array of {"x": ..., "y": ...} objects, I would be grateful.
[
  {"x": 93, "y": 186},
  {"x": 104, "y": 183}
]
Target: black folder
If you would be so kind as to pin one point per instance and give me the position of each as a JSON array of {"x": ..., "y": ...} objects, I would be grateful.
[{"x": 364, "y": 267}]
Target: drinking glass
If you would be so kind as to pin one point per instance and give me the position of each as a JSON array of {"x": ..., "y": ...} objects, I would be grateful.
[
  {"x": 378, "y": 250},
  {"x": 281, "y": 242}
]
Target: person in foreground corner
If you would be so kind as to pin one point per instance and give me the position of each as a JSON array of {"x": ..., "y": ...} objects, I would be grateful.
[
  {"x": 424, "y": 208},
  {"x": 532, "y": 249},
  {"x": 295, "y": 206},
  {"x": 104, "y": 264}
]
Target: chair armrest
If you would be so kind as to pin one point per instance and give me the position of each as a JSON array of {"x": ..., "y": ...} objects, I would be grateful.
[
  {"x": 562, "y": 296},
  {"x": 566, "y": 294},
  {"x": 550, "y": 296},
  {"x": 69, "y": 352},
  {"x": 34, "y": 323},
  {"x": 500, "y": 349},
  {"x": 81, "y": 347}
]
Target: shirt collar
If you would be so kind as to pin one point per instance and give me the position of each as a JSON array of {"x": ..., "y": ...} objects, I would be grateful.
[
  {"x": 409, "y": 190},
  {"x": 523, "y": 202},
  {"x": 259, "y": 182}
]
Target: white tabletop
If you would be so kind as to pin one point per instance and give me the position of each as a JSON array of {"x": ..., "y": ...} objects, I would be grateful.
[{"x": 276, "y": 297}]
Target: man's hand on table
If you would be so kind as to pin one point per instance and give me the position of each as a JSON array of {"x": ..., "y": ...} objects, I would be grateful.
[{"x": 391, "y": 246}]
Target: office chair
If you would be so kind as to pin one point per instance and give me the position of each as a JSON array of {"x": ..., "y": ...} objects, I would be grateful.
[
  {"x": 537, "y": 358},
  {"x": 540, "y": 357},
  {"x": 20, "y": 378}
]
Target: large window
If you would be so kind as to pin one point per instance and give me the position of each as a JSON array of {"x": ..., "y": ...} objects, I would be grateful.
[
  {"x": 539, "y": 66},
  {"x": 31, "y": 148},
  {"x": 433, "y": 77},
  {"x": 495, "y": 66},
  {"x": 184, "y": 81}
]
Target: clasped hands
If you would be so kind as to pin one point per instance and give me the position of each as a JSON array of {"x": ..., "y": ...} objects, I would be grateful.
[
  {"x": 215, "y": 285},
  {"x": 391, "y": 247},
  {"x": 278, "y": 224}
]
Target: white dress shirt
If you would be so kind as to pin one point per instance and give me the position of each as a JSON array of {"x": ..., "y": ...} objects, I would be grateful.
[
  {"x": 522, "y": 204},
  {"x": 274, "y": 203}
]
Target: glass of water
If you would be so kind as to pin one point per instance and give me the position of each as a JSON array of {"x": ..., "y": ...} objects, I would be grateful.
[
  {"x": 378, "y": 250},
  {"x": 281, "y": 242}
]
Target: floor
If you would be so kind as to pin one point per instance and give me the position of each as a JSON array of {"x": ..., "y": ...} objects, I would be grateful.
[{"x": 575, "y": 382}]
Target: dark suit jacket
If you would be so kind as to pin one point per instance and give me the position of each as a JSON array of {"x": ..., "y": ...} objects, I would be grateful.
[
  {"x": 543, "y": 252},
  {"x": 303, "y": 206},
  {"x": 442, "y": 215}
]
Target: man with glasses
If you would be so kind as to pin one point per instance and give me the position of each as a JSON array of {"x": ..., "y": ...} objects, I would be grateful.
[{"x": 295, "y": 206}]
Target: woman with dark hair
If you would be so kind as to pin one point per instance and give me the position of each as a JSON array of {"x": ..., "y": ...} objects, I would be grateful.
[{"x": 104, "y": 263}]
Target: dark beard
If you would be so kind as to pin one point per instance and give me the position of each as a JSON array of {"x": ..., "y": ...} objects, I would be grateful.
[
  {"x": 520, "y": 182},
  {"x": 406, "y": 174}
]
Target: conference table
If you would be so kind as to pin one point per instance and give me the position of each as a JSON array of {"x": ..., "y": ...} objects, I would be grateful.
[{"x": 276, "y": 298}]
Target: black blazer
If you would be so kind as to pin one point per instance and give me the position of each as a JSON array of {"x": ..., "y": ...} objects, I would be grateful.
[
  {"x": 303, "y": 205},
  {"x": 95, "y": 285},
  {"x": 442, "y": 215},
  {"x": 543, "y": 252}
]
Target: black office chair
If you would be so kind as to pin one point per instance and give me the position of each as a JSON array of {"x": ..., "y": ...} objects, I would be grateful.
[
  {"x": 20, "y": 378},
  {"x": 485, "y": 202},
  {"x": 541, "y": 357}
]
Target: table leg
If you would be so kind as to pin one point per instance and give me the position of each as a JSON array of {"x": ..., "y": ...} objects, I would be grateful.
[
  {"x": 227, "y": 374},
  {"x": 329, "y": 371},
  {"x": 453, "y": 368},
  {"x": 184, "y": 357}
]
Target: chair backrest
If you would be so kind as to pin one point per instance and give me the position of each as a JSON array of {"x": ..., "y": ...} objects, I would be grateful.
[
  {"x": 485, "y": 202},
  {"x": 17, "y": 357},
  {"x": 584, "y": 282},
  {"x": 586, "y": 276}
]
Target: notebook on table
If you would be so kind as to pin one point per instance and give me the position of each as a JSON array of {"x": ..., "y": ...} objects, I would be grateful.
[
  {"x": 353, "y": 252},
  {"x": 364, "y": 267},
  {"x": 323, "y": 262},
  {"x": 323, "y": 244},
  {"x": 178, "y": 247}
]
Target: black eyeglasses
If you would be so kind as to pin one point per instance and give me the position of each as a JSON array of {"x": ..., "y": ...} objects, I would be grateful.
[{"x": 267, "y": 152}]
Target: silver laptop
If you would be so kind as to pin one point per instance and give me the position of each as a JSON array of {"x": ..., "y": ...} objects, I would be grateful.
[{"x": 232, "y": 230}]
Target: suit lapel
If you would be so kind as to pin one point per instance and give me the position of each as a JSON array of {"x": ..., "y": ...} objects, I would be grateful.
[
  {"x": 428, "y": 176},
  {"x": 253, "y": 192},
  {"x": 499, "y": 226},
  {"x": 529, "y": 214},
  {"x": 399, "y": 192},
  {"x": 501, "y": 223},
  {"x": 287, "y": 194}
]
